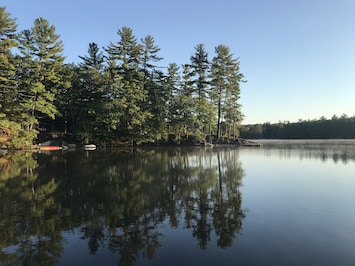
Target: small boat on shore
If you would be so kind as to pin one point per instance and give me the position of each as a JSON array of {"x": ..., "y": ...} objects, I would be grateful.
[
  {"x": 208, "y": 145},
  {"x": 90, "y": 147},
  {"x": 49, "y": 148}
]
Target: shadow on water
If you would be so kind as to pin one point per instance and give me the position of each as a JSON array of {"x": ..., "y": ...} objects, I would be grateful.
[{"x": 117, "y": 201}]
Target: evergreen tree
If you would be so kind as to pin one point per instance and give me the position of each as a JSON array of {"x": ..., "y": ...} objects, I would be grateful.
[
  {"x": 93, "y": 92},
  {"x": 233, "y": 115},
  {"x": 114, "y": 83},
  {"x": 68, "y": 99},
  {"x": 40, "y": 72},
  {"x": 200, "y": 67},
  {"x": 11, "y": 133},
  {"x": 149, "y": 56},
  {"x": 156, "y": 102},
  {"x": 125, "y": 59},
  {"x": 188, "y": 116},
  {"x": 172, "y": 82},
  {"x": 124, "y": 94},
  {"x": 95, "y": 59},
  {"x": 225, "y": 88},
  {"x": 8, "y": 28}
]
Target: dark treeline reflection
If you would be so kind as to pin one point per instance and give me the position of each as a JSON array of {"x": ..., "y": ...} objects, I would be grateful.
[
  {"x": 324, "y": 151},
  {"x": 117, "y": 200}
]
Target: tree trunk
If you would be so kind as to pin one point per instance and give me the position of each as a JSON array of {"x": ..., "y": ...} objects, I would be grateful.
[{"x": 219, "y": 118}]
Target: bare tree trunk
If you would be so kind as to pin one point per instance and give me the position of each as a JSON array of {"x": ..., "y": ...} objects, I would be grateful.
[{"x": 219, "y": 120}]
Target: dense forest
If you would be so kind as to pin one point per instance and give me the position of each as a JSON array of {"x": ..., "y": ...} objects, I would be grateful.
[
  {"x": 335, "y": 128},
  {"x": 119, "y": 94},
  {"x": 114, "y": 94}
]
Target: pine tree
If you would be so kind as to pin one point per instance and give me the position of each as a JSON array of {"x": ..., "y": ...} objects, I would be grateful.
[
  {"x": 156, "y": 101},
  {"x": 93, "y": 92},
  {"x": 95, "y": 59},
  {"x": 128, "y": 85},
  {"x": 172, "y": 86},
  {"x": 11, "y": 134},
  {"x": 225, "y": 88},
  {"x": 188, "y": 116},
  {"x": 200, "y": 67},
  {"x": 149, "y": 55},
  {"x": 68, "y": 99},
  {"x": 8, "y": 28},
  {"x": 40, "y": 72}
]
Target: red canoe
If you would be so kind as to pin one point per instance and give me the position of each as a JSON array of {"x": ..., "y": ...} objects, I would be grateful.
[{"x": 50, "y": 148}]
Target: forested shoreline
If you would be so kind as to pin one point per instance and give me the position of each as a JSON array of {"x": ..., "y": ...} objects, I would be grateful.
[
  {"x": 115, "y": 94},
  {"x": 120, "y": 94},
  {"x": 335, "y": 128}
]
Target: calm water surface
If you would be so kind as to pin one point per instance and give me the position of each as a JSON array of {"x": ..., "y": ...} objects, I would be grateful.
[{"x": 286, "y": 203}]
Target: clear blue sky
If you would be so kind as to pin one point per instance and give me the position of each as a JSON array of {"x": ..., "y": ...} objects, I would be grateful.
[{"x": 297, "y": 55}]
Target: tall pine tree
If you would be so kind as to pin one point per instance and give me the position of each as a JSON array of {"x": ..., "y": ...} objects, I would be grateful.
[
  {"x": 125, "y": 60},
  {"x": 225, "y": 80},
  {"x": 172, "y": 86},
  {"x": 156, "y": 101},
  {"x": 8, "y": 28},
  {"x": 9, "y": 128},
  {"x": 200, "y": 67},
  {"x": 42, "y": 59},
  {"x": 187, "y": 114},
  {"x": 92, "y": 86}
]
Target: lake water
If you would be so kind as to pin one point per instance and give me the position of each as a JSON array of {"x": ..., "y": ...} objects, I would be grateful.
[{"x": 285, "y": 203}]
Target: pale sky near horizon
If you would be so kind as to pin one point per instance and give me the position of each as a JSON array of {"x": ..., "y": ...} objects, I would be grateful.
[{"x": 298, "y": 56}]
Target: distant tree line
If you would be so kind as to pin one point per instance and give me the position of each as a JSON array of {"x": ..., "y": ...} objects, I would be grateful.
[
  {"x": 117, "y": 93},
  {"x": 335, "y": 128}
]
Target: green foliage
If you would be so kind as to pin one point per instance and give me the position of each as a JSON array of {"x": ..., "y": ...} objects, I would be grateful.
[
  {"x": 172, "y": 87},
  {"x": 39, "y": 75},
  {"x": 121, "y": 95},
  {"x": 128, "y": 81},
  {"x": 203, "y": 107},
  {"x": 90, "y": 110},
  {"x": 335, "y": 128},
  {"x": 8, "y": 28},
  {"x": 13, "y": 136},
  {"x": 113, "y": 95},
  {"x": 225, "y": 89},
  {"x": 156, "y": 103}
]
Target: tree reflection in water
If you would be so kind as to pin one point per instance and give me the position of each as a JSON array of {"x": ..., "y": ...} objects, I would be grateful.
[
  {"x": 118, "y": 200},
  {"x": 28, "y": 216}
]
